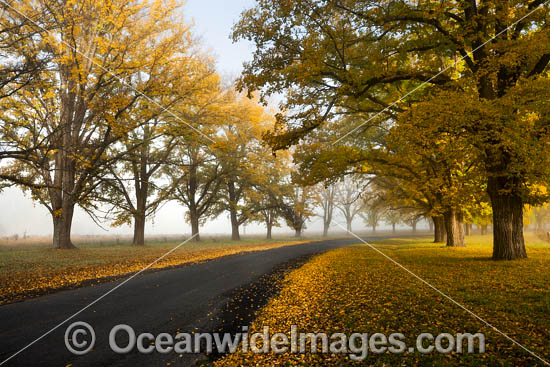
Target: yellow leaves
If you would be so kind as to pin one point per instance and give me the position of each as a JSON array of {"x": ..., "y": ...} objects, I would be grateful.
[
  {"x": 354, "y": 289},
  {"x": 28, "y": 272}
]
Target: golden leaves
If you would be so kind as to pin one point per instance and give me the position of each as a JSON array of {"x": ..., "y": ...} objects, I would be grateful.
[
  {"x": 29, "y": 272},
  {"x": 354, "y": 289}
]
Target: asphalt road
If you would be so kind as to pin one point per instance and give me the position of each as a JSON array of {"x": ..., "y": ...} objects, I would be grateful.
[{"x": 169, "y": 301}]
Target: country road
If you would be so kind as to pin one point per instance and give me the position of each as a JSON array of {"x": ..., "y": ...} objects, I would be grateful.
[{"x": 176, "y": 300}]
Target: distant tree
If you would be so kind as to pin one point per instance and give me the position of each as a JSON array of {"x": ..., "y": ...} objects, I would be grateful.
[
  {"x": 348, "y": 200},
  {"x": 324, "y": 197},
  {"x": 296, "y": 207},
  {"x": 270, "y": 187},
  {"x": 393, "y": 217},
  {"x": 412, "y": 220},
  {"x": 372, "y": 211}
]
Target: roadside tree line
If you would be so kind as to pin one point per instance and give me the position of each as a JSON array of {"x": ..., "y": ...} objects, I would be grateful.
[
  {"x": 113, "y": 106},
  {"x": 443, "y": 103}
]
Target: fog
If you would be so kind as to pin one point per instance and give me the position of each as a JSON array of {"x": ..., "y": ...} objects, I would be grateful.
[
  {"x": 213, "y": 23},
  {"x": 20, "y": 216}
]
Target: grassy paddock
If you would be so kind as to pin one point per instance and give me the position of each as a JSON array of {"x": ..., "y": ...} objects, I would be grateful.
[
  {"x": 34, "y": 269},
  {"x": 355, "y": 289}
]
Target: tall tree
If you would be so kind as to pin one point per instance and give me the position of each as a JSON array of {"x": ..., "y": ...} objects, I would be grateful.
[
  {"x": 80, "y": 102},
  {"x": 242, "y": 155},
  {"x": 136, "y": 186},
  {"x": 360, "y": 56},
  {"x": 325, "y": 198},
  {"x": 196, "y": 172},
  {"x": 270, "y": 187},
  {"x": 197, "y": 179}
]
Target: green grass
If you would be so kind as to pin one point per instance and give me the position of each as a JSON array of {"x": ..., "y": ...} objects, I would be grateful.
[{"x": 355, "y": 289}]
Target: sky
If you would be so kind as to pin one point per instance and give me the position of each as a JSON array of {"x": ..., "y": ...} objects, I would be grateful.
[{"x": 213, "y": 21}]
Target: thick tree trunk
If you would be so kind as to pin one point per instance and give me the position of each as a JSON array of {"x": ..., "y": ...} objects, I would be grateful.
[
  {"x": 508, "y": 241},
  {"x": 194, "y": 219},
  {"x": 414, "y": 227},
  {"x": 298, "y": 232},
  {"x": 62, "y": 223},
  {"x": 373, "y": 228},
  {"x": 454, "y": 226},
  {"x": 325, "y": 229},
  {"x": 348, "y": 224},
  {"x": 440, "y": 233},
  {"x": 139, "y": 230}
]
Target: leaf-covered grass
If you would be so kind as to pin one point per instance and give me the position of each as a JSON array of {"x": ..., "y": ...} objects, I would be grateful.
[
  {"x": 34, "y": 270},
  {"x": 354, "y": 289}
]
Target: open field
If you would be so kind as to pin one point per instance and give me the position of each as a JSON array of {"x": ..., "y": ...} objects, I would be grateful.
[
  {"x": 33, "y": 269},
  {"x": 354, "y": 289}
]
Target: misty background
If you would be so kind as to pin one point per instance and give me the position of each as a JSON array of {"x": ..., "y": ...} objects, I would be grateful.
[{"x": 213, "y": 21}]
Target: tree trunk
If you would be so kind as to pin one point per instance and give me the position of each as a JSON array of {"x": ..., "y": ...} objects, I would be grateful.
[
  {"x": 233, "y": 199},
  {"x": 141, "y": 185},
  {"x": 539, "y": 226},
  {"x": 62, "y": 223},
  {"x": 484, "y": 229},
  {"x": 235, "y": 236},
  {"x": 298, "y": 232},
  {"x": 455, "y": 228},
  {"x": 508, "y": 241},
  {"x": 325, "y": 229},
  {"x": 373, "y": 228},
  {"x": 139, "y": 229},
  {"x": 414, "y": 227},
  {"x": 393, "y": 227},
  {"x": 269, "y": 226},
  {"x": 348, "y": 224},
  {"x": 440, "y": 233},
  {"x": 431, "y": 225},
  {"x": 194, "y": 219},
  {"x": 468, "y": 229}
]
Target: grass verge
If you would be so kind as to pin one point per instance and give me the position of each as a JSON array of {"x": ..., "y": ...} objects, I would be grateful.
[
  {"x": 354, "y": 289},
  {"x": 33, "y": 271}
]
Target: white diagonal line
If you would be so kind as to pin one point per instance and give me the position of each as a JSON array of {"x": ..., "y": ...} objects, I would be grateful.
[
  {"x": 438, "y": 74},
  {"x": 98, "y": 299},
  {"x": 122, "y": 81},
  {"x": 446, "y": 296}
]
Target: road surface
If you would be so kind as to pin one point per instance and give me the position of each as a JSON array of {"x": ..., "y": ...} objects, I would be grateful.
[{"x": 183, "y": 300}]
